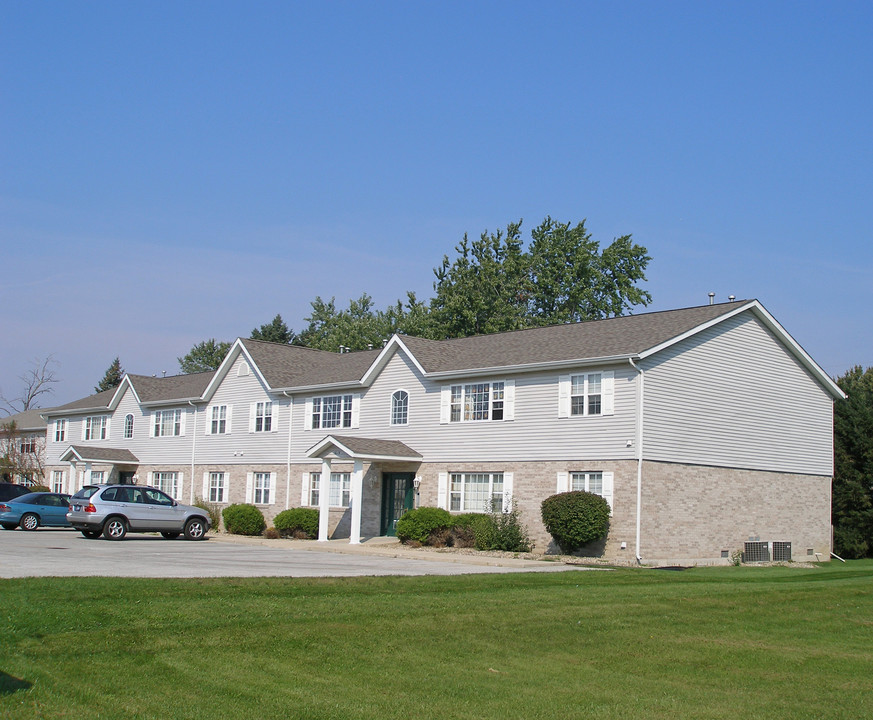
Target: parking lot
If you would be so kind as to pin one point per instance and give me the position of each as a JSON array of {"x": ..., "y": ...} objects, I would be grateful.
[{"x": 49, "y": 552}]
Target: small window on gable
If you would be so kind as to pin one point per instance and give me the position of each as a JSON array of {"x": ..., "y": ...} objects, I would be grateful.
[
  {"x": 128, "y": 426},
  {"x": 243, "y": 369},
  {"x": 400, "y": 408}
]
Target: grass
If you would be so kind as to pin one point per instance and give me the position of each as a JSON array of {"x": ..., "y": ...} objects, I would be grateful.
[{"x": 705, "y": 643}]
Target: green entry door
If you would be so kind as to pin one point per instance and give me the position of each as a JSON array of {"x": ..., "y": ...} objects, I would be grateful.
[{"x": 398, "y": 496}]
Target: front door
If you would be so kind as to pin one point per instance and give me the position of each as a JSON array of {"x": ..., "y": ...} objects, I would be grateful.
[
  {"x": 125, "y": 478},
  {"x": 398, "y": 496}
]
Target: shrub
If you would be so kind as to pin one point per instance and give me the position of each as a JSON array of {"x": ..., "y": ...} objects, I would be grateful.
[
  {"x": 39, "y": 488},
  {"x": 243, "y": 520},
  {"x": 509, "y": 533},
  {"x": 297, "y": 522},
  {"x": 575, "y": 518},
  {"x": 417, "y": 525},
  {"x": 212, "y": 510},
  {"x": 480, "y": 525},
  {"x": 271, "y": 533}
]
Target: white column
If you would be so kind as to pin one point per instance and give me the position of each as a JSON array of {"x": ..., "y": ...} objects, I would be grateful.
[
  {"x": 324, "y": 500},
  {"x": 357, "y": 499}
]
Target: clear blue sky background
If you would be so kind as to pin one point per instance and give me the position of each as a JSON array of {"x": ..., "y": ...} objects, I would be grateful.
[{"x": 175, "y": 171}]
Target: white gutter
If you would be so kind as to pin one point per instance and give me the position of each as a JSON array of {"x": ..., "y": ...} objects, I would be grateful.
[{"x": 640, "y": 395}]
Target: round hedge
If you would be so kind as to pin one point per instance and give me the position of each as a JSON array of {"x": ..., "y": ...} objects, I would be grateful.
[
  {"x": 575, "y": 518},
  {"x": 417, "y": 525},
  {"x": 297, "y": 520},
  {"x": 243, "y": 520}
]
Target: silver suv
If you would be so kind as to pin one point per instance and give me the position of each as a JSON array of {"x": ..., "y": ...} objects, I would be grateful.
[{"x": 115, "y": 510}]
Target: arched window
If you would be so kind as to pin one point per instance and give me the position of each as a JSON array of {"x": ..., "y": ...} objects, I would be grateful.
[
  {"x": 400, "y": 408},
  {"x": 128, "y": 426}
]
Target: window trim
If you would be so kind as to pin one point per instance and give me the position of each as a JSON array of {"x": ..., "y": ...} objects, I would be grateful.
[
  {"x": 565, "y": 482},
  {"x": 310, "y": 411},
  {"x": 88, "y": 429},
  {"x": 178, "y": 423},
  {"x": 607, "y": 394},
  {"x": 208, "y": 487},
  {"x": 444, "y": 489},
  {"x": 211, "y": 420},
  {"x": 60, "y": 429},
  {"x": 251, "y": 482},
  {"x": 395, "y": 400},
  {"x": 258, "y": 412},
  {"x": 450, "y": 401},
  {"x": 178, "y": 478},
  {"x": 339, "y": 485},
  {"x": 128, "y": 426}
]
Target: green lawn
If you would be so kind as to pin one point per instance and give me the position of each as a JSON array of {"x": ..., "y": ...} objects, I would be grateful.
[{"x": 705, "y": 643}]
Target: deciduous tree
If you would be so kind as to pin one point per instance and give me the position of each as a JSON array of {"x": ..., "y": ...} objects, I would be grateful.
[
  {"x": 36, "y": 383},
  {"x": 207, "y": 355}
]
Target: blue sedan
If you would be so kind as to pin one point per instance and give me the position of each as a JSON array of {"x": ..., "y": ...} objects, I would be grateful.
[{"x": 35, "y": 509}]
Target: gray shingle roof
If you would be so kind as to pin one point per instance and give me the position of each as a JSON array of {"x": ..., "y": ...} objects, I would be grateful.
[
  {"x": 100, "y": 401},
  {"x": 167, "y": 389},
  {"x": 98, "y": 454},
  {"x": 370, "y": 447},
  {"x": 27, "y": 420}
]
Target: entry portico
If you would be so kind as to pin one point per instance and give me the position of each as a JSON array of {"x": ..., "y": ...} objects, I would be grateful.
[
  {"x": 119, "y": 464},
  {"x": 358, "y": 450}
]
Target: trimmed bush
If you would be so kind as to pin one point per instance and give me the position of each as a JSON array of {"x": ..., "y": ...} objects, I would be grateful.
[
  {"x": 575, "y": 518},
  {"x": 417, "y": 525},
  {"x": 297, "y": 522},
  {"x": 480, "y": 525},
  {"x": 242, "y": 519}
]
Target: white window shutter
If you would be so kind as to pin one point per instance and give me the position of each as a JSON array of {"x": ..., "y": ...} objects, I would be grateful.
[
  {"x": 445, "y": 405},
  {"x": 307, "y": 418},
  {"x": 108, "y": 422},
  {"x": 274, "y": 423},
  {"x": 153, "y": 417},
  {"x": 209, "y": 412},
  {"x": 607, "y": 487},
  {"x": 182, "y": 422},
  {"x": 250, "y": 487},
  {"x": 509, "y": 400},
  {"x": 273, "y": 488},
  {"x": 443, "y": 491},
  {"x": 206, "y": 486},
  {"x": 84, "y": 425},
  {"x": 229, "y": 419},
  {"x": 508, "y": 478},
  {"x": 179, "y": 486},
  {"x": 356, "y": 410},
  {"x": 564, "y": 396},
  {"x": 252, "y": 410},
  {"x": 607, "y": 390},
  {"x": 563, "y": 482},
  {"x": 304, "y": 490},
  {"x": 150, "y": 479}
]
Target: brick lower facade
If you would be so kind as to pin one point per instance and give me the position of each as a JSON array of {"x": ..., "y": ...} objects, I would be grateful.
[{"x": 689, "y": 514}]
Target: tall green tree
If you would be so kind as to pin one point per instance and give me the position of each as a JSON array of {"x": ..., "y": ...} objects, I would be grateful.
[
  {"x": 276, "y": 331},
  {"x": 852, "y": 502},
  {"x": 206, "y": 355},
  {"x": 486, "y": 289},
  {"x": 112, "y": 377},
  {"x": 572, "y": 280},
  {"x": 359, "y": 327}
]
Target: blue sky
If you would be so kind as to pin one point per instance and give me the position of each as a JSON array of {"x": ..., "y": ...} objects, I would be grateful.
[{"x": 172, "y": 172}]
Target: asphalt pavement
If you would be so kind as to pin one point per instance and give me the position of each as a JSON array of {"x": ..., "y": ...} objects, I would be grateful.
[{"x": 50, "y": 552}]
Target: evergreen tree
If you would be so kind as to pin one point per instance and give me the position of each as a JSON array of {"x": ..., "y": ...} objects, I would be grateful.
[
  {"x": 112, "y": 378},
  {"x": 207, "y": 355},
  {"x": 852, "y": 502},
  {"x": 276, "y": 331}
]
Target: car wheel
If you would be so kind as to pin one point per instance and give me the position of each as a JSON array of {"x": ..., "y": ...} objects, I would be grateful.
[
  {"x": 9, "y": 526},
  {"x": 170, "y": 535},
  {"x": 91, "y": 534},
  {"x": 195, "y": 529},
  {"x": 29, "y": 522},
  {"x": 115, "y": 529}
]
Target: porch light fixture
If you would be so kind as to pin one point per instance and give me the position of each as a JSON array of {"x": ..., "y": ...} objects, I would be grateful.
[{"x": 416, "y": 483}]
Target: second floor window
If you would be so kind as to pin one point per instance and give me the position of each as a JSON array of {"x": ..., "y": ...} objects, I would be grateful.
[
  {"x": 95, "y": 428},
  {"x": 128, "y": 426},
  {"x": 27, "y": 445},
  {"x": 332, "y": 411},
  {"x": 263, "y": 417},
  {"x": 168, "y": 423},
  {"x": 218, "y": 420},
  {"x": 477, "y": 401},
  {"x": 586, "y": 394},
  {"x": 60, "y": 430},
  {"x": 400, "y": 408}
]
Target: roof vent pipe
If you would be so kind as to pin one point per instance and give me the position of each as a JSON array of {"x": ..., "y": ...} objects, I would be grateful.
[
  {"x": 711, "y": 298},
  {"x": 731, "y": 298}
]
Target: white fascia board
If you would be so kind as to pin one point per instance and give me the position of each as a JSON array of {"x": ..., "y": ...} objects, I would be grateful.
[
  {"x": 173, "y": 401},
  {"x": 773, "y": 325},
  {"x": 119, "y": 392},
  {"x": 529, "y": 367},
  {"x": 76, "y": 411},
  {"x": 395, "y": 343},
  {"x": 237, "y": 349},
  {"x": 290, "y": 391}
]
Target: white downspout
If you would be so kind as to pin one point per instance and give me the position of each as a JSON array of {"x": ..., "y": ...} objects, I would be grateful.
[
  {"x": 640, "y": 396},
  {"x": 288, "y": 460},
  {"x": 193, "y": 449}
]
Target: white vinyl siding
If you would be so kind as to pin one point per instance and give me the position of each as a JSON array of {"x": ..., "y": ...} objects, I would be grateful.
[{"x": 733, "y": 396}]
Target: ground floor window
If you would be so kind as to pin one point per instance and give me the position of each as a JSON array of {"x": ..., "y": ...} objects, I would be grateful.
[
  {"x": 168, "y": 482},
  {"x": 216, "y": 487},
  {"x": 340, "y": 489},
  {"x": 475, "y": 492},
  {"x": 58, "y": 481},
  {"x": 97, "y": 477},
  {"x": 588, "y": 481},
  {"x": 262, "y": 488}
]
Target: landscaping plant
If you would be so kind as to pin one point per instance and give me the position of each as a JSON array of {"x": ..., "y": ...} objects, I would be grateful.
[
  {"x": 575, "y": 518},
  {"x": 243, "y": 520}
]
